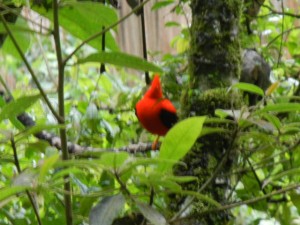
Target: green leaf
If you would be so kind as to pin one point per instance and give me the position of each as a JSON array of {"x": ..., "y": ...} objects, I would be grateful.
[
  {"x": 107, "y": 210},
  {"x": 84, "y": 19},
  {"x": 212, "y": 130},
  {"x": 121, "y": 59},
  {"x": 151, "y": 214},
  {"x": 35, "y": 129},
  {"x": 273, "y": 119},
  {"x": 290, "y": 172},
  {"x": 182, "y": 179},
  {"x": 9, "y": 191},
  {"x": 18, "y": 106},
  {"x": 172, "y": 24},
  {"x": 202, "y": 197},
  {"x": 161, "y": 4},
  {"x": 157, "y": 181},
  {"x": 47, "y": 166},
  {"x": 249, "y": 88},
  {"x": 22, "y": 38},
  {"x": 113, "y": 160},
  {"x": 281, "y": 107},
  {"x": 295, "y": 198},
  {"x": 179, "y": 140}
]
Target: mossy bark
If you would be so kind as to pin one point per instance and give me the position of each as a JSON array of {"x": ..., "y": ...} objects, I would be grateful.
[{"x": 215, "y": 60}]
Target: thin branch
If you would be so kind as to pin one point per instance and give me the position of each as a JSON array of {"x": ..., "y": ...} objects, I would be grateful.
[
  {"x": 236, "y": 204},
  {"x": 29, "y": 195},
  {"x": 273, "y": 11},
  {"x": 144, "y": 42},
  {"x": 104, "y": 31},
  {"x": 34, "y": 78},
  {"x": 61, "y": 106},
  {"x": 283, "y": 32},
  {"x": 282, "y": 35},
  {"x": 253, "y": 200},
  {"x": 256, "y": 176}
]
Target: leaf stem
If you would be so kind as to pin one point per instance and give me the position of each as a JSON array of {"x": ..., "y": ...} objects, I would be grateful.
[{"x": 61, "y": 109}]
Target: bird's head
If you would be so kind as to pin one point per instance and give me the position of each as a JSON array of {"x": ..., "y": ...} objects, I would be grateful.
[{"x": 155, "y": 90}]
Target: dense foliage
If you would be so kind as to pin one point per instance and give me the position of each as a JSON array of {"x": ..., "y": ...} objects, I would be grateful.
[{"x": 55, "y": 65}]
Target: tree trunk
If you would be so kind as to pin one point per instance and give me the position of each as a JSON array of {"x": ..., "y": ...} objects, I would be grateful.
[{"x": 214, "y": 61}]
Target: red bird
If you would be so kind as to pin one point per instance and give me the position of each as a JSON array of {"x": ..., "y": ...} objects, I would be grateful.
[{"x": 156, "y": 113}]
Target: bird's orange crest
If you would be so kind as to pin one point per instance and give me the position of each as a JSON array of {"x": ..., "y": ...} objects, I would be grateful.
[{"x": 155, "y": 90}]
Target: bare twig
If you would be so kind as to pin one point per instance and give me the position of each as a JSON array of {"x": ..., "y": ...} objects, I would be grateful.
[
  {"x": 144, "y": 42},
  {"x": 273, "y": 11},
  {"x": 283, "y": 32},
  {"x": 282, "y": 35},
  {"x": 30, "y": 197},
  {"x": 34, "y": 78}
]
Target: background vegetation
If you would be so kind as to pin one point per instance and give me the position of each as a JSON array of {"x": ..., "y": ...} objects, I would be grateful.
[{"x": 53, "y": 69}]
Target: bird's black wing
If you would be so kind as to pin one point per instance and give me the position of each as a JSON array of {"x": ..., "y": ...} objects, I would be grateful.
[{"x": 168, "y": 118}]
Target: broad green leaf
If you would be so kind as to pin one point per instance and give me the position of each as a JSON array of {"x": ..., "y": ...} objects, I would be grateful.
[
  {"x": 151, "y": 214},
  {"x": 213, "y": 130},
  {"x": 222, "y": 113},
  {"x": 22, "y": 38},
  {"x": 113, "y": 160},
  {"x": 295, "y": 198},
  {"x": 202, "y": 197},
  {"x": 107, "y": 181},
  {"x": 19, "y": 27},
  {"x": 84, "y": 19},
  {"x": 172, "y": 24},
  {"x": 121, "y": 59},
  {"x": 18, "y": 106},
  {"x": 182, "y": 179},
  {"x": 66, "y": 171},
  {"x": 291, "y": 128},
  {"x": 47, "y": 166},
  {"x": 249, "y": 88},
  {"x": 215, "y": 120},
  {"x": 290, "y": 172},
  {"x": 179, "y": 140},
  {"x": 107, "y": 210},
  {"x": 8, "y": 191},
  {"x": 273, "y": 119},
  {"x": 80, "y": 163},
  {"x": 157, "y": 181},
  {"x": 161, "y": 4},
  {"x": 35, "y": 129},
  {"x": 85, "y": 205},
  {"x": 146, "y": 162},
  {"x": 281, "y": 107}
]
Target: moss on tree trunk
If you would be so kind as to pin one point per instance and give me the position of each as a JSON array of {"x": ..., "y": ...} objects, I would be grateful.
[{"x": 214, "y": 62}]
